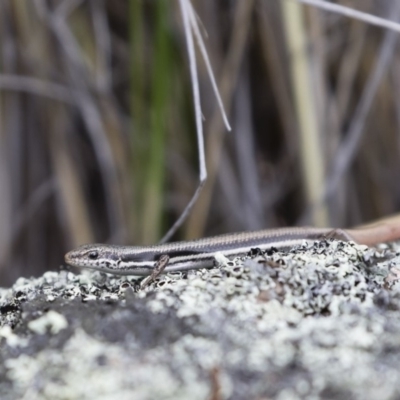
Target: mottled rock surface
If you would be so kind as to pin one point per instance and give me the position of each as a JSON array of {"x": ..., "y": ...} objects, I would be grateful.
[{"x": 320, "y": 321}]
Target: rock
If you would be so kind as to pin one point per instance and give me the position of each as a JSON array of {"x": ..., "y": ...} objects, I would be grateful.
[{"x": 320, "y": 321}]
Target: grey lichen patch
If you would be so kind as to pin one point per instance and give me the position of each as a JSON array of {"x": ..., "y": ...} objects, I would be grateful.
[
  {"x": 320, "y": 321},
  {"x": 89, "y": 368}
]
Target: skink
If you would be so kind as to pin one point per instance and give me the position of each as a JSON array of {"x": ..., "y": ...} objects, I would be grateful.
[{"x": 134, "y": 260}]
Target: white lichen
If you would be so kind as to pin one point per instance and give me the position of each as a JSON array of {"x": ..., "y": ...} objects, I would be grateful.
[{"x": 52, "y": 321}]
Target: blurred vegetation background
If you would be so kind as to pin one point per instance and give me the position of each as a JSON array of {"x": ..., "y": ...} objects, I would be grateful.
[{"x": 97, "y": 133}]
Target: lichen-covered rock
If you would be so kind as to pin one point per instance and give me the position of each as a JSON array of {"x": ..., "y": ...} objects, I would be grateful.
[{"x": 320, "y": 321}]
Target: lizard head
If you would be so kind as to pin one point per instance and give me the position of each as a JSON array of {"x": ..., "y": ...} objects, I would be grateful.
[{"x": 94, "y": 256}]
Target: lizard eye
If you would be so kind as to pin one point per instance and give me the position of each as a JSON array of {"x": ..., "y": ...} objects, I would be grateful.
[{"x": 93, "y": 255}]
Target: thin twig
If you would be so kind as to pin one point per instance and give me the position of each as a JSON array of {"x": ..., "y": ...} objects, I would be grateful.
[
  {"x": 191, "y": 26},
  {"x": 185, "y": 10},
  {"x": 229, "y": 74},
  {"x": 311, "y": 152},
  {"x": 200, "y": 42},
  {"x": 36, "y": 86},
  {"x": 350, "y": 12},
  {"x": 103, "y": 45},
  {"x": 157, "y": 271},
  {"x": 349, "y": 146},
  {"x": 90, "y": 115}
]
